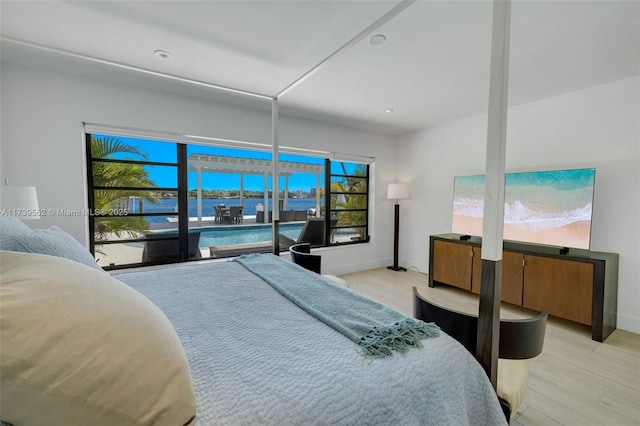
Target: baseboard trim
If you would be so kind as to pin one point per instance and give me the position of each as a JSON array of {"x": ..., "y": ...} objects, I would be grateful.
[{"x": 628, "y": 323}]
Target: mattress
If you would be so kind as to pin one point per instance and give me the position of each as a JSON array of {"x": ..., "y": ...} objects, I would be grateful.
[{"x": 256, "y": 358}]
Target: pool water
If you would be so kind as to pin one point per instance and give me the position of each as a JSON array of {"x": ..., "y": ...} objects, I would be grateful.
[{"x": 221, "y": 236}]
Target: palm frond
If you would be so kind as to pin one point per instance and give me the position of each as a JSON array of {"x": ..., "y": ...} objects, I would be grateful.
[{"x": 106, "y": 147}]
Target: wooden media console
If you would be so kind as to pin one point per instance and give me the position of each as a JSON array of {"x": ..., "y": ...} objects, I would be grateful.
[{"x": 578, "y": 285}]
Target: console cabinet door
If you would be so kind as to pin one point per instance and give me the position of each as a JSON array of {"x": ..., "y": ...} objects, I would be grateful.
[
  {"x": 452, "y": 264},
  {"x": 512, "y": 275},
  {"x": 561, "y": 287}
]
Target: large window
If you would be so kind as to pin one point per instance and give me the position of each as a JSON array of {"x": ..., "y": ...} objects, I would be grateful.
[{"x": 157, "y": 201}]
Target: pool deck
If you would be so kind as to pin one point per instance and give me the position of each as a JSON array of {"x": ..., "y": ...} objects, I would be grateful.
[
  {"x": 126, "y": 253},
  {"x": 210, "y": 222},
  {"x": 240, "y": 249}
]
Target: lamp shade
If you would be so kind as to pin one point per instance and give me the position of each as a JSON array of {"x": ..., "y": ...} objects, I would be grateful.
[
  {"x": 23, "y": 200},
  {"x": 398, "y": 191}
]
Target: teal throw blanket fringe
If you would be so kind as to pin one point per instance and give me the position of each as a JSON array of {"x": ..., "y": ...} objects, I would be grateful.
[{"x": 378, "y": 330}]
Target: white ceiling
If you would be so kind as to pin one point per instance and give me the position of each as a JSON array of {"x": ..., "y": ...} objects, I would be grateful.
[{"x": 434, "y": 66}]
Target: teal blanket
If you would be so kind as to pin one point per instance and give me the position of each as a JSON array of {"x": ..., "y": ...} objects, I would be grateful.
[{"x": 378, "y": 330}]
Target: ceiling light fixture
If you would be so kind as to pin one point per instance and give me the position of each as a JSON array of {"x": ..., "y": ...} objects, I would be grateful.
[
  {"x": 146, "y": 71},
  {"x": 162, "y": 54},
  {"x": 377, "y": 40},
  {"x": 389, "y": 110}
]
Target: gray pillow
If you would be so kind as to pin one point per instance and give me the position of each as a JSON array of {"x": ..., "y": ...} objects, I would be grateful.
[
  {"x": 11, "y": 226},
  {"x": 54, "y": 242}
]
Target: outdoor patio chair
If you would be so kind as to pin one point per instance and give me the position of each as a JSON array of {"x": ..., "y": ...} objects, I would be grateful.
[
  {"x": 235, "y": 214},
  {"x": 219, "y": 212},
  {"x": 312, "y": 233},
  {"x": 225, "y": 215},
  {"x": 161, "y": 250}
]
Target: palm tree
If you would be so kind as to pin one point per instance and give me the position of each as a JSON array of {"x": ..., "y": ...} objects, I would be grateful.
[
  {"x": 352, "y": 199},
  {"x": 117, "y": 175}
]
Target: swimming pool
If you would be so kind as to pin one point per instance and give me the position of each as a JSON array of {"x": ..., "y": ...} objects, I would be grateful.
[{"x": 227, "y": 235}]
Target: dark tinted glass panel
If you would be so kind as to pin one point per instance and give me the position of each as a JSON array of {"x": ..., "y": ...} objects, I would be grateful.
[
  {"x": 348, "y": 184},
  {"x": 350, "y": 218},
  {"x": 121, "y": 202},
  {"x": 118, "y": 254},
  {"x": 346, "y": 168},
  {"x": 348, "y": 201},
  {"x": 124, "y": 148},
  {"x": 196, "y": 149},
  {"x": 134, "y": 175},
  {"x": 162, "y": 246},
  {"x": 124, "y": 227},
  {"x": 348, "y": 235}
]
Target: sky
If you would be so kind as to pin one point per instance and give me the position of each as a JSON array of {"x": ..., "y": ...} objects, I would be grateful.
[{"x": 165, "y": 151}]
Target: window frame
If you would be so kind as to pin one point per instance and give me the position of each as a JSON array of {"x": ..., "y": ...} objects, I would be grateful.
[
  {"x": 182, "y": 214},
  {"x": 329, "y": 211},
  {"x": 182, "y": 235}
]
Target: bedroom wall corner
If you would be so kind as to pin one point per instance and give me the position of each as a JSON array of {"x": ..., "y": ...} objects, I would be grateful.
[{"x": 596, "y": 127}]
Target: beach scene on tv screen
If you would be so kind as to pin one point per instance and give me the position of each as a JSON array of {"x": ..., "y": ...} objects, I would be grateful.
[{"x": 546, "y": 207}]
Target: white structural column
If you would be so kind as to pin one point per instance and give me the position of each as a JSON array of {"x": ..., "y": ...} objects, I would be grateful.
[
  {"x": 318, "y": 194},
  {"x": 241, "y": 188},
  {"x": 275, "y": 173},
  {"x": 266, "y": 198},
  {"x": 286, "y": 193},
  {"x": 491, "y": 271},
  {"x": 199, "y": 193},
  {"x": 493, "y": 223}
]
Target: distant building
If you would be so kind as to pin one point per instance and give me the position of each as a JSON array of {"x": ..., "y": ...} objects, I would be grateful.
[
  {"x": 299, "y": 193},
  {"x": 312, "y": 192}
]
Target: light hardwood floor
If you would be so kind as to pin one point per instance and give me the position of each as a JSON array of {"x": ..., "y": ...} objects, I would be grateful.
[{"x": 576, "y": 381}]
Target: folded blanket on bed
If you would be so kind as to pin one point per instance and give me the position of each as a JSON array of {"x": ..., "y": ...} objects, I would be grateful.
[{"x": 377, "y": 329}]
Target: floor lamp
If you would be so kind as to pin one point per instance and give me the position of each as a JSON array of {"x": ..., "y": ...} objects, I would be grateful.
[{"x": 397, "y": 191}]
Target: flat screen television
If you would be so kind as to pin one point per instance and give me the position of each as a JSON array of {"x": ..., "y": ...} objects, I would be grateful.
[{"x": 547, "y": 207}]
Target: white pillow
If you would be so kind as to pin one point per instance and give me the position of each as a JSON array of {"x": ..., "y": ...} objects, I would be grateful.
[{"x": 81, "y": 348}]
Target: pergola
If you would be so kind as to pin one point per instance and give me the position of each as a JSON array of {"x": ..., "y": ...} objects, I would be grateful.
[{"x": 201, "y": 163}]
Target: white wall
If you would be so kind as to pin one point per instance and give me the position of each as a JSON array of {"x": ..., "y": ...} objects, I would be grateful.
[
  {"x": 42, "y": 143},
  {"x": 598, "y": 127}
]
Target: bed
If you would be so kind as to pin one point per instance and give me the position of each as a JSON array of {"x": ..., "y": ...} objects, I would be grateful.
[{"x": 253, "y": 355}]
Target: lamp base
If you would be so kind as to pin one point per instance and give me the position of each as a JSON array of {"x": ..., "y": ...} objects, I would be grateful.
[{"x": 396, "y": 268}]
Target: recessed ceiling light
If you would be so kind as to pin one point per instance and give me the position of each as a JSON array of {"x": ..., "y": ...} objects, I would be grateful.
[
  {"x": 377, "y": 40},
  {"x": 389, "y": 110},
  {"x": 162, "y": 54}
]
